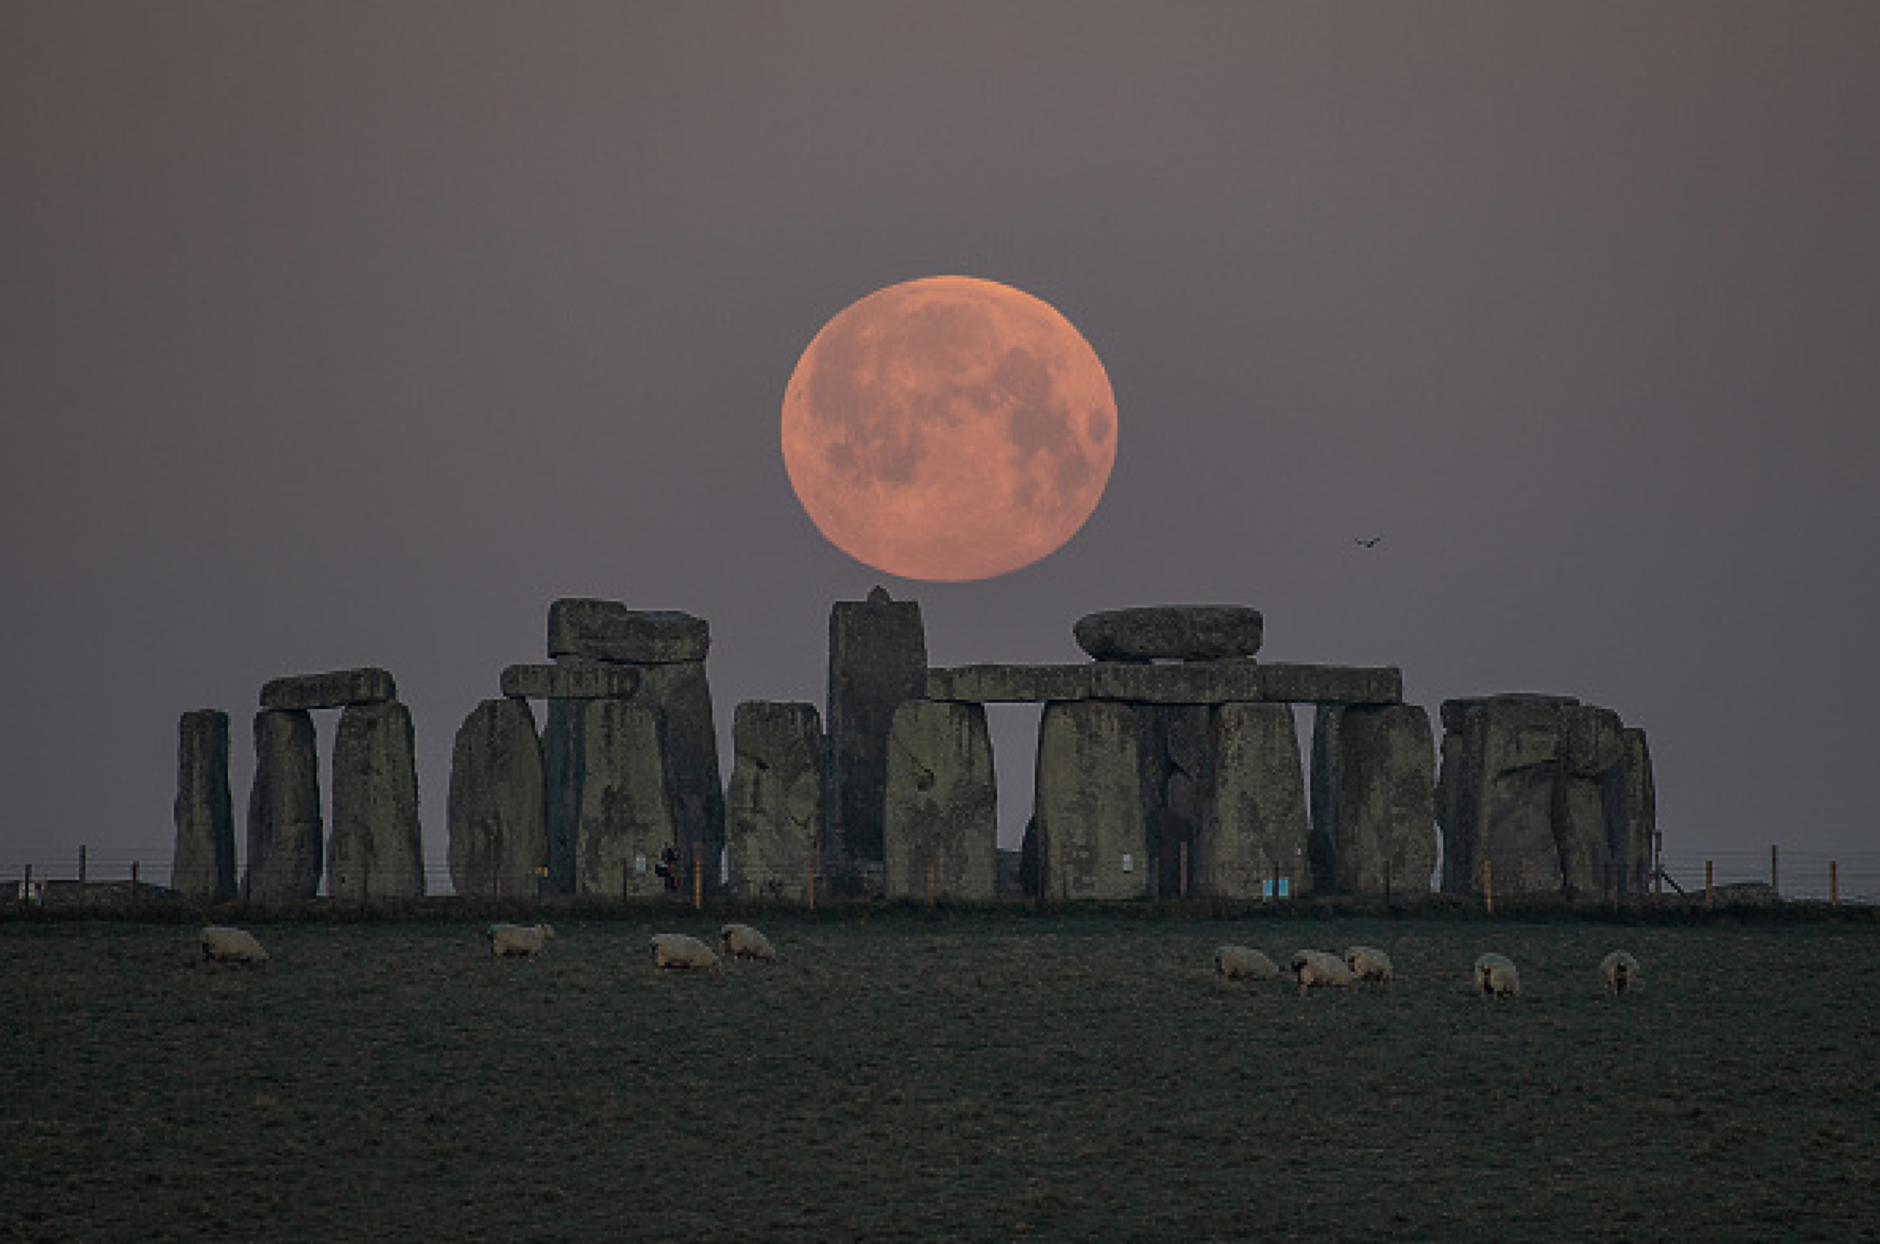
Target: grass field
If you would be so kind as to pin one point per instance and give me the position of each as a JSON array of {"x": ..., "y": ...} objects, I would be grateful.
[{"x": 916, "y": 1076}]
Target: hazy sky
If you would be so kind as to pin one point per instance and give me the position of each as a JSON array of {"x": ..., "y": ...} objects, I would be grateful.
[{"x": 347, "y": 334}]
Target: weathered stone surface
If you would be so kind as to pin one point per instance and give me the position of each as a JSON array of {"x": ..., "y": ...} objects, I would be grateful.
[
  {"x": 607, "y": 630},
  {"x": 1010, "y": 684},
  {"x": 1254, "y": 829},
  {"x": 1191, "y": 682},
  {"x": 941, "y": 810},
  {"x": 1631, "y": 817},
  {"x": 376, "y": 852},
  {"x": 285, "y": 833},
  {"x": 681, "y": 695},
  {"x": 563, "y": 758},
  {"x": 1331, "y": 684},
  {"x": 496, "y": 811},
  {"x": 1091, "y": 838},
  {"x": 571, "y": 681},
  {"x": 877, "y": 662},
  {"x": 1171, "y": 632},
  {"x": 338, "y": 689},
  {"x": 1373, "y": 806},
  {"x": 1176, "y": 770},
  {"x": 774, "y": 807},
  {"x": 1548, "y": 791},
  {"x": 626, "y": 835},
  {"x": 203, "y": 866}
]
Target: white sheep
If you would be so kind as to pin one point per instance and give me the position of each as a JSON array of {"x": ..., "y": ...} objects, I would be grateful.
[
  {"x": 1316, "y": 967},
  {"x": 230, "y": 945},
  {"x": 678, "y": 950},
  {"x": 1495, "y": 977},
  {"x": 1618, "y": 971},
  {"x": 1369, "y": 964},
  {"x": 525, "y": 940},
  {"x": 1239, "y": 963},
  {"x": 741, "y": 941}
]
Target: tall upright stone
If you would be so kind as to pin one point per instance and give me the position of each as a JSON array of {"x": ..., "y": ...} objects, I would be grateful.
[
  {"x": 877, "y": 662},
  {"x": 1255, "y": 827},
  {"x": 1373, "y": 804},
  {"x": 1089, "y": 809},
  {"x": 203, "y": 866},
  {"x": 1631, "y": 818},
  {"x": 774, "y": 806},
  {"x": 680, "y": 694},
  {"x": 285, "y": 833},
  {"x": 564, "y": 752},
  {"x": 376, "y": 854},
  {"x": 626, "y": 842},
  {"x": 1591, "y": 747},
  {"x": 496, "y": 810},
  {"x": 940, "y": 817}
]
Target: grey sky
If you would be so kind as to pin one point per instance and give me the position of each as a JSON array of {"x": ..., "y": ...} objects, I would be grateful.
[{"x": 350, "y": 334}]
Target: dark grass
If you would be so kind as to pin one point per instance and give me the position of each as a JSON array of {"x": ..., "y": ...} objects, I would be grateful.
[{"x": 914, "y": 1075}]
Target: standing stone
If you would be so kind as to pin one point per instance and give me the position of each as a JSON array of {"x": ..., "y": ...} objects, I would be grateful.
[
  {"x": 377, "y": 850},
  {"x": 681, "y": 696},
  {"x": 941, "y": 808},
  {"x": 496, "y": 810},
  {"x": 626, "y": 836},
  {"x": 1591, "y": 746},
  {"x": 1631, "y": 817},
  {"x": 1177, "y": 770},
  {"x": 877, "y": 662},
  {"x": 1373, "y": 807},
  {"x": 203, "y": 866},
  {"x": 563, "y": 755},
  {"x": 774, "y": 807},
  {"x": 1255, "y": 827},
  {"x": 1499, "y": 804},
  {"x": 1091, "y": 838},
  {"x": 284, "y": 827}
]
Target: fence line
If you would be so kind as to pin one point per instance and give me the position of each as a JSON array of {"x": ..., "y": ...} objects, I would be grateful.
[{"x": 1796, "y": 874}]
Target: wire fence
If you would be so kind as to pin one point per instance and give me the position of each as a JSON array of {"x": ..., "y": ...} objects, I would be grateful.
[{"x": 1789, "y": 874}]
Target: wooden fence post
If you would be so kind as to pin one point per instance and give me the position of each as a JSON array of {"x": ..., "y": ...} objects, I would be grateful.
[
  {"x": 1488, "y": 888},
  {"x": 1181, "y": 890},
  {"x": 1658, "y": 863},
  {"x": 81, "y": 868},
  {"x": 1834, "y": 884},
  {"x": 1707, "y": 879},
  {"x": 1775, "y": 872},
  {"x": 698, "y": 880},
  {"x": 930, "y": 890}
]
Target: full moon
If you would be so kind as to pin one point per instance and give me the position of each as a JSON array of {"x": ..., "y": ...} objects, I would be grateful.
[{"x": 949, "y": 429}]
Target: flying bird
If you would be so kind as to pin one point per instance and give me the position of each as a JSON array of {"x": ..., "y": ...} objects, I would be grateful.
[{"x": 1366, "y": 544}]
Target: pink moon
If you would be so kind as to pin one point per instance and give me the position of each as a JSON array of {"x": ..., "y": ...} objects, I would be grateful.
[{"x": 949, "y": 429}]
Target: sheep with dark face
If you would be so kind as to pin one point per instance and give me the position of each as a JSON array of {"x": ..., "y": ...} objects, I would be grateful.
[
  {"x": 741, "y": 941},
  {"x": 1618, "y": 972},
  {"x": 223, "y": 944},
  {"x": 1318, "y": 968},
  {"x": 681, "y": 951},
  {"x": 524, "y": 940},
  {"x": 1240, "y": 963},
  {"x": 1496, "y": 977},
  {"x": 1369, "y": 964}
]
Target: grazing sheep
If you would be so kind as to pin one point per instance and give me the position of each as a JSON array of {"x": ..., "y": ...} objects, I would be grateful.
[
  {"x": 1369, "y": 964},
  {"x": 526, "y": 940},
  {"x": 1495, "y": 977},
  {"x": 677, "y": 950},
  {"x": 1618, "y": 971},
  {"x": 1238, "y": 963},
  {"x": 227, "y": 945},
  {"x": 1316, "y": 967},
  {"x": 741, "y": 941}
]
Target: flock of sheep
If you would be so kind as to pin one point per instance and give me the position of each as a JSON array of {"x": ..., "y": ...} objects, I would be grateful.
[{"x": 1495, "y": 975}]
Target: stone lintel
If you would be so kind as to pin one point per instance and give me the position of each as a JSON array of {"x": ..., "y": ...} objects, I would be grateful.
[
  {"x": 339, "y": 689},
  {"x": 570, "y": 682},
  {"x": 1190, "y": 682},
  {"x": 606, "y": 630}
]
